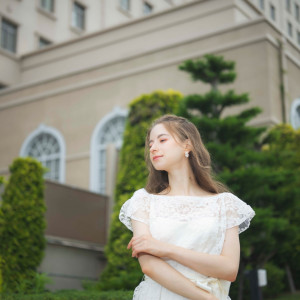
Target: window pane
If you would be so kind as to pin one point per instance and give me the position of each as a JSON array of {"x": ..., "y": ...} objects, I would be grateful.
[
  {"x": 147, "y": 9},
  {"x": 288, "y": 5},
  {"x": 8, "y": 36},
  {"x": 262, "y": 4},
  {"x": 290, "y": 29},
  {"x": 78, "y": 16},
  {"x": 111, "y": 133},
  {"x": 297, "y": 12},
  {"x": 47, "y": 5},
  {"x": 125, "y": 4},
  {"x": 44, "y": 147},
  {"x": 272, "y": 12},
  {"x": 43, "y": 43}
]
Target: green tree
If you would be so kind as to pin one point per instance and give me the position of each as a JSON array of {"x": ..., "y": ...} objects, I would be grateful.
[
  {"x": 1, "y": 218},
  {"x": 122, "y": 271},
  {"x": 22, "y": 225},
  {"x": 282, "y": 148},
  {"x": 237, "y": 158}
]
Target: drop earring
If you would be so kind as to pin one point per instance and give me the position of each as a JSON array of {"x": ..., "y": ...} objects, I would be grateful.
[{"x": 186, "y": 154}]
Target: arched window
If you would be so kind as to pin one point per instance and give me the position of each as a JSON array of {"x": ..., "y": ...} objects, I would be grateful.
[
  {"x": 46, "y": 144},
  {"x": 108, "y": 131},
  {"x": 295, "y": 113}
]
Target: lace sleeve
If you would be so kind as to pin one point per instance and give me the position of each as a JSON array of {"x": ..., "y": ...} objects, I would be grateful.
[
  {"x": 136, "y": 208},
  {"x": 238, "y": 213}
]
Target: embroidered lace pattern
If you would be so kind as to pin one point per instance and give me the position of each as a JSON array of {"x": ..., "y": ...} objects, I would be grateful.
[
  {"x": 192, "y": 222},
  {"x": 186, "y": 208}
]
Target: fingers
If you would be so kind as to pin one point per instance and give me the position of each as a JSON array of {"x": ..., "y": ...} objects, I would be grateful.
[
  {"x": 130, "y": 244},
  {"x": 137, "y": 244}
]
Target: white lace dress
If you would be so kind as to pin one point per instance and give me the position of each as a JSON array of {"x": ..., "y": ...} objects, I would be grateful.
[{"x": 192, "y": 222}]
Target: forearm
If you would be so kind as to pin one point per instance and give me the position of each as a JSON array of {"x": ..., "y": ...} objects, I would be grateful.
[
  {"x": 165, "y": 275},
  {"x": 217, "y": 266}
]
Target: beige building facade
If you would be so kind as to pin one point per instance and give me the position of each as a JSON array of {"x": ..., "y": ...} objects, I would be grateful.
[{"x": 66, "y": 104}]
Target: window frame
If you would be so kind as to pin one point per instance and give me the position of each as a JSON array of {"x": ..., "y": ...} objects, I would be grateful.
[
  {"x": 14, "y": 24},
  {"x": 289, "y": 29},
  {"x": 288, "y": 6},
  {"x": 127, "y": 9},
  {"x": 297, "y": 12},
  {"x": 261, "y": 4},
  {"x": 74, "y": 23},
  {"x": 98, "y": 184},
  {"x": 294, "y": 115},
  {"x": 150, "y": 5},
  {"x": 272, "y": 12},
  {"x": 44, "y": 129},
  {"x": 45, "y": 39},
  {"x": 52, "y": 11}
]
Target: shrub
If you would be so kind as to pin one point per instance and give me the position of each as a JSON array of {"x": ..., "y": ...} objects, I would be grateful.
[
  {"x": 73, "y": 295},
  {"x": 22, "y": 225},
  {"x": 275, "y": 279},
  {"x": 122, "y": 271}
]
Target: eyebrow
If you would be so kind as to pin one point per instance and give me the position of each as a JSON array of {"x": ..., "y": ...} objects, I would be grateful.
[{"x": 159, "y": 136}]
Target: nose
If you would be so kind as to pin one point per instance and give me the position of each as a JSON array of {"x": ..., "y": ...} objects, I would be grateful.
[{"x": 153, "y": 147}]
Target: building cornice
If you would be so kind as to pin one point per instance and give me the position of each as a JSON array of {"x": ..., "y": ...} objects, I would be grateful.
[
  {"x": 61, "y": 241},
  {"x": 138, "y": 70}
]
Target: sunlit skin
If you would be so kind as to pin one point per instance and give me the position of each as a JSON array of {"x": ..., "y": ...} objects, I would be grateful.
[{"x": 167, "y": 153}]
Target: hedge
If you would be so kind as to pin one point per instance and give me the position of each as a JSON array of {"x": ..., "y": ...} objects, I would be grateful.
[
  {"x": 123, "y": 271},
  {"x": 22, "y": 225}
]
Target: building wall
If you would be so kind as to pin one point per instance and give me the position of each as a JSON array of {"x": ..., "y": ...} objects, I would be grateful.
[
  {"x": 76, "y": 109},
  {"x": 57, "y": 26},
  {"x": 74, "y": 85},
  {"x": 283, "y": 16},
  {"x": 68, "y": 267}
]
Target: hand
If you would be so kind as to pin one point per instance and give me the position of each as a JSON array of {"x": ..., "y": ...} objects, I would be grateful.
[{"x": 147, "y": 244}]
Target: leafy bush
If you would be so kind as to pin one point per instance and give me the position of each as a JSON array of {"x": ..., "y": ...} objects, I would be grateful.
[
  {"x": 73, "y": 295},
  {"x": 22, "y": 225},
  {"x": 122, "y": 271},
  {"x": 275, "y": 279}
]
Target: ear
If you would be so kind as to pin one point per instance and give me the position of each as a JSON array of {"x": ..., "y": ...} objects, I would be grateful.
[{"x": 188, "y": 145}]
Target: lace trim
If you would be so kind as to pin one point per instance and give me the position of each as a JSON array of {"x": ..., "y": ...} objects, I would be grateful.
[{"x": 224, "y": 206}]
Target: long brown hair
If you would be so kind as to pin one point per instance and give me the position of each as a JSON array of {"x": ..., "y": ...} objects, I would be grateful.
[{"x": 199, "y": 157}]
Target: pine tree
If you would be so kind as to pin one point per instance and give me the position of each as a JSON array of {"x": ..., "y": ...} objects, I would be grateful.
[
  {"x": 237, "y": 158},
  {"x": 123, "y": 271}
]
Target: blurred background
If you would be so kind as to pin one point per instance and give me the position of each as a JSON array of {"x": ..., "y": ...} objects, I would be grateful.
[{"x": 69, "y": 69}]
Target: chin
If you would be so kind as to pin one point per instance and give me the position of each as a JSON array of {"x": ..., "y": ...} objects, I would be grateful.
[{"x": 159, "y": 168}]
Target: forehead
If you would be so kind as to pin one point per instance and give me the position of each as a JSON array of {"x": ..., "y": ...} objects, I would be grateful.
[{"x": 158, "y": 129}]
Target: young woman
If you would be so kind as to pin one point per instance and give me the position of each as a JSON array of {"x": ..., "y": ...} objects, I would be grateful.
[{"x": 185, "y": 224}]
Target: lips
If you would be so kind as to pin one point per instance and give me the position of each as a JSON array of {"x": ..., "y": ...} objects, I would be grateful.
[{"x": 156, "y": 157}]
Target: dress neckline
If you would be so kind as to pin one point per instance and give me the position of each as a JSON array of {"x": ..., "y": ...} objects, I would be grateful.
[{"x": 185, "y": 196}]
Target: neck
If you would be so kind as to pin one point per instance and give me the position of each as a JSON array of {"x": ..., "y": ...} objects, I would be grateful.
[{"x": 182, "y": 181}]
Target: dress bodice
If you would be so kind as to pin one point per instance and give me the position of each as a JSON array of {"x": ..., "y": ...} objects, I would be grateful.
[{"x": 193, "y": 222}]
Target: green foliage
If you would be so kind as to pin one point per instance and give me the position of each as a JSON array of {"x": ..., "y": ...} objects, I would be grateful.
[
  {"x": 275, "y": 280},
  {"x": 282, "y": 149},
  {"x": 22, "y": 225},
  {"x": 123, "y": 271},
  {"x": 34, "y": 285},
  {"x": 1, "y": 218},
  {"x": 212, "y": 69},
  {"x": 258, "y": 177},
  {"x": 72, "y": 295}
]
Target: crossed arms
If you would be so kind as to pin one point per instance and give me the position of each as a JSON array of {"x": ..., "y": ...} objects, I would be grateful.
[{"x": 149, "y": 252}]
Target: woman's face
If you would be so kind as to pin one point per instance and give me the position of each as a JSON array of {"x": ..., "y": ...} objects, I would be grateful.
[{"x": 166, "y": 153}]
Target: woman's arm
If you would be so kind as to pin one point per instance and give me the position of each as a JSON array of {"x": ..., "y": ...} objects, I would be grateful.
[
  {"x": 164, "y": 274},
  {"x": 224, "y": 266}
]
